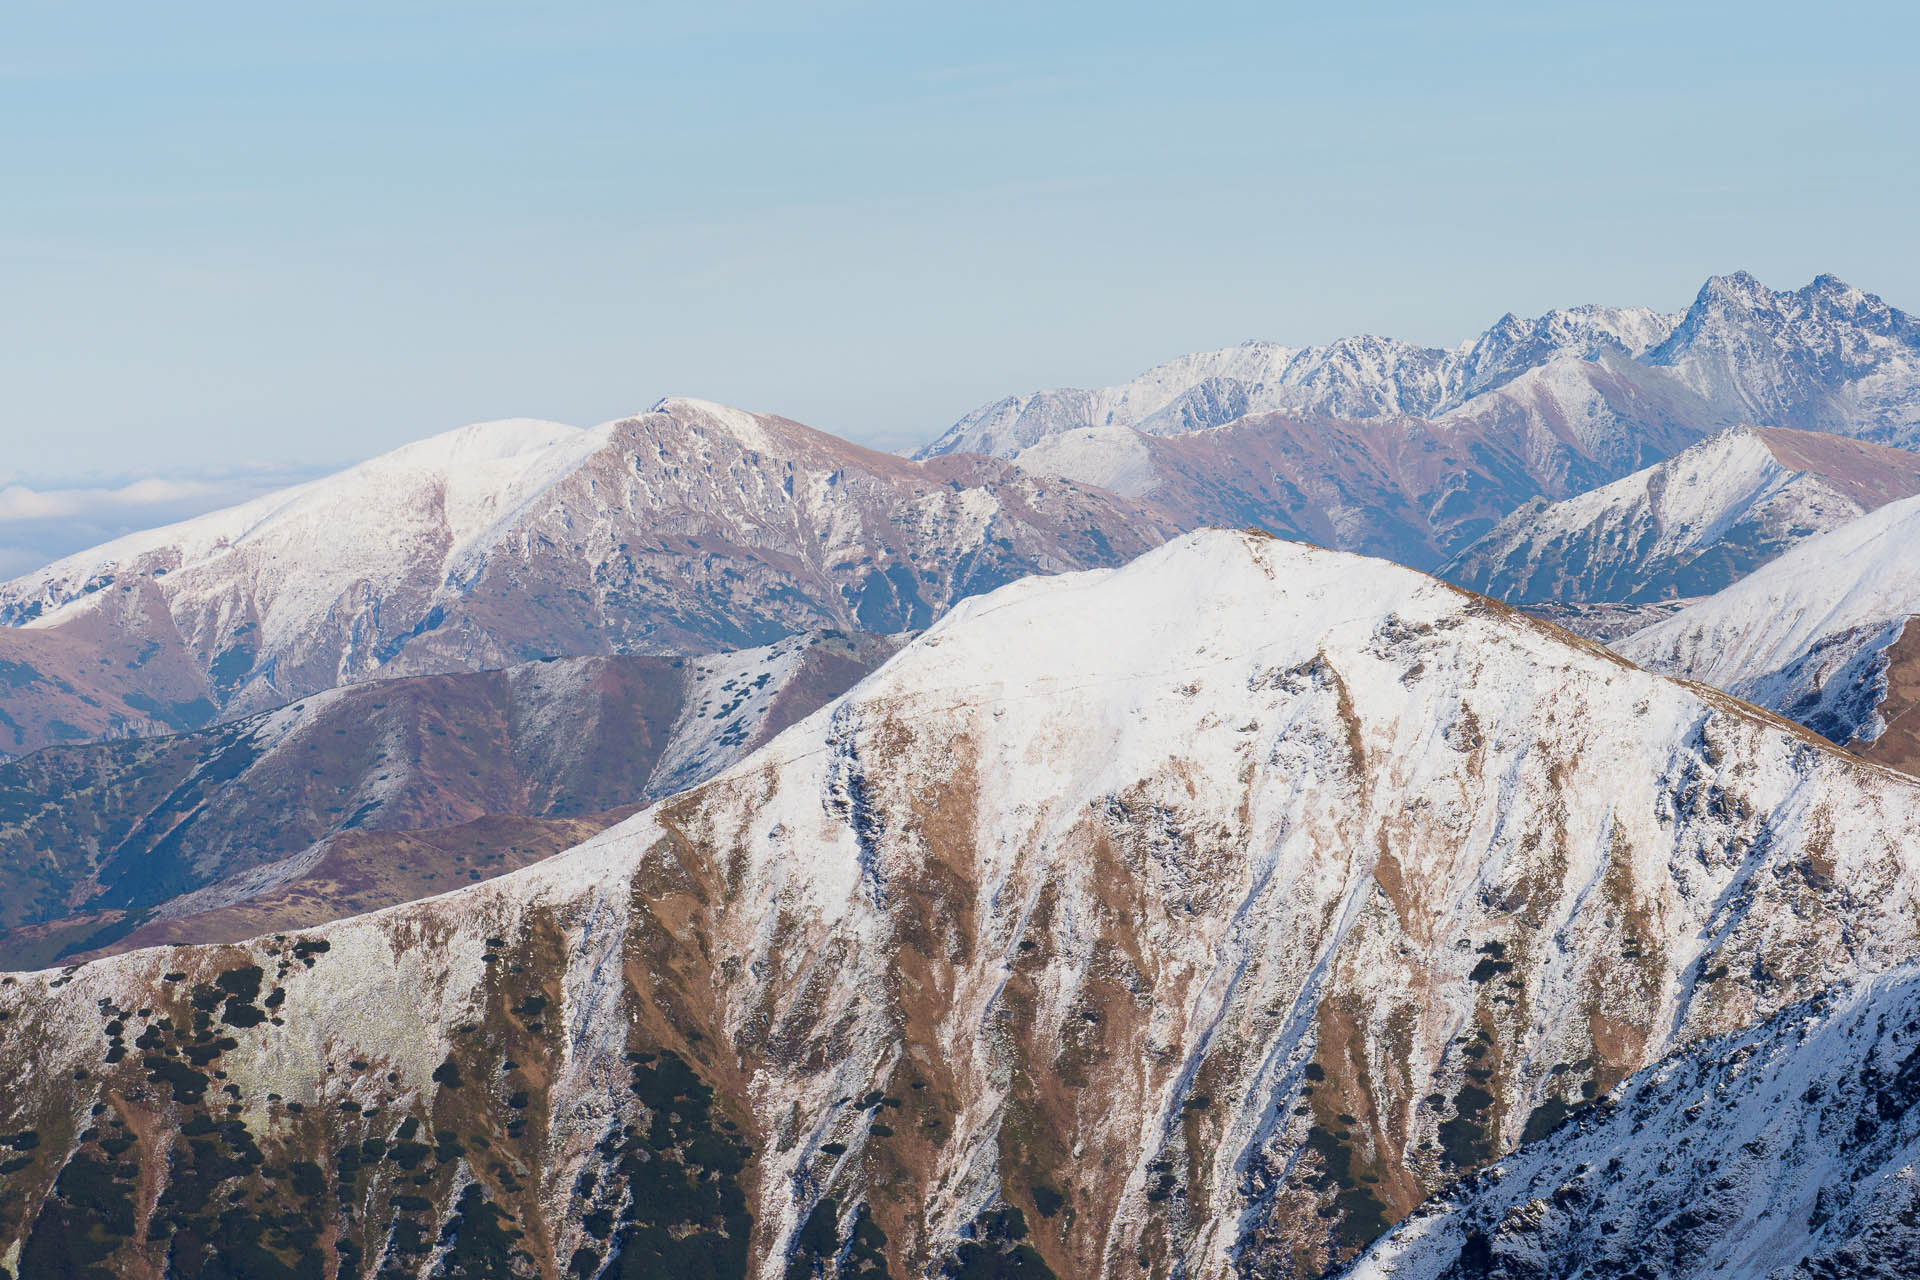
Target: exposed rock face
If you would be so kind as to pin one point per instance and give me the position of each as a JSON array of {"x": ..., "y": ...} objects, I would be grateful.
[
  {"x": 1819, "y": 635},
  {"x": 688, "y": 529},
  {"x": 97, "y": 840},
  {"x": 1828, "y": 357},
  {"x": 1688, "y": 526},
  {"x": 1202, "y": 916},
  {"x": 1784, "y": 1151}
]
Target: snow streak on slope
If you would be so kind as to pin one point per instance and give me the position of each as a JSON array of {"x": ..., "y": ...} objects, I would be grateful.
[
  {"x": 1807, "y": 635},
  {"x": 1785, "y": 1151},
  {"x": 1687, "y": 526},
  {"x": 1212, "y": 912}
]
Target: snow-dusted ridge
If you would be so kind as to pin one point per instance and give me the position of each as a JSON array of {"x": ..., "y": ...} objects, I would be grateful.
[
  {"x": 1361, "y": 377},
  {"x": 1687, "y": 526},
  {"x": 1782, "y": 1151},
  {"x": 691, "y": 528},
  {"x": 1236, "y": 899},
  {"x": 1808, "y": 635},
  {"x": 1825, "y": 357}
]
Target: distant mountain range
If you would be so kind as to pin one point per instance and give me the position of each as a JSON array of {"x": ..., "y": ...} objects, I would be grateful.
[{"x": 1412, "y": 452}]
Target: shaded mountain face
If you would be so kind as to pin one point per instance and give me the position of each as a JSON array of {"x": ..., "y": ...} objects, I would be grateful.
[
  {"x": 688, "y": 529},
  {"x": 98, "y": 841},
  {"x": 1821, "y": 635},
  {"x": 1689, "y": 526},
  {"x": 1786, "y": 1150},
  {"x": 1200, "y": 916}
]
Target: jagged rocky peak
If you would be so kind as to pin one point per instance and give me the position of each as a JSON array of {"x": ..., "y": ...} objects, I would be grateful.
[
  {"x": 1197, "y": 917},
  {"x": 1825, "y": 357}
]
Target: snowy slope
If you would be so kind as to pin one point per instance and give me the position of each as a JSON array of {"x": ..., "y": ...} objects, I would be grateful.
[
  {"x": 1211, "y": 912},
  {"x": 1812, "y": 635},
  {"x": 691, "y": 528},
  {"x": 1687, "y": 526},
  {"x": 1785, "y": 1151}
]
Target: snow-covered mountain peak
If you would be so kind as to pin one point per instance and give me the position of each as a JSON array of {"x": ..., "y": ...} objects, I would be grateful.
[
  {"x": 1687, "y": 526},
  {"x": 1236, "y": 898},
  {"x": 1815, "y": 635},
  {"x": 691, "y": 527},
  {"x": 748, "y": 428}
]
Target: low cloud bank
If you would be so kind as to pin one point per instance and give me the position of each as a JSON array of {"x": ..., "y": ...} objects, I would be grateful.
[{"x": 40, "y": 525}]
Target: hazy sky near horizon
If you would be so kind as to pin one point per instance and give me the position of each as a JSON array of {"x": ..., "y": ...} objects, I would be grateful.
[{"x": 238, "y": 237}]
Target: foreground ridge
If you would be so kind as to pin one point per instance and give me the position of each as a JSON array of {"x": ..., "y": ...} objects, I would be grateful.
[{"x": 1201, "y": 916}]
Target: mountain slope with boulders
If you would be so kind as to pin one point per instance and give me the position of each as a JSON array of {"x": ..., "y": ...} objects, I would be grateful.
[
  {"x": 1203, "y": 916},
  {"x": 1689, "y": 526},
  {"x": 100, "y": 840},
  {"x": 688, "y": 529},
  {"x": 1822, "y": 635}
]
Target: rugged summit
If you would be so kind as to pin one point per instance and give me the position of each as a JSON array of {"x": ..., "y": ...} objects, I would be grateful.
[
  {"x": 1688, "y": 526},
  {"x": 1410, "y": 452},
  {"x": 1820, "y": 635},
  {"x": 1827, "y": 357},
  {"x": 1201, "y": 916},
  {"x": 687, "y": 529}
]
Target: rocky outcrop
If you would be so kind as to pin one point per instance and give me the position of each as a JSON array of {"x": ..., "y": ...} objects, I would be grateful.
[{"x": 1787, "y": 1150}]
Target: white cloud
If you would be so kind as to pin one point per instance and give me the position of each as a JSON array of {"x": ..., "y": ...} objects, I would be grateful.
[
  {"x": 41, "y": 524},
  {"x": 18, "y": 502}
]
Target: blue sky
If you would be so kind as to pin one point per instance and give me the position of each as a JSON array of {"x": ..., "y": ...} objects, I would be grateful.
[{"x": 254, "y": 237}]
